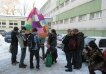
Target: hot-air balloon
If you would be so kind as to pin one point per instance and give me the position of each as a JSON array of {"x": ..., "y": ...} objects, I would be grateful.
[{"x": 36, "y": 19}]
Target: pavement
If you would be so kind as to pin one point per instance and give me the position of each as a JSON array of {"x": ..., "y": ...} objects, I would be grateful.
[{"x": 58, "y": 68}]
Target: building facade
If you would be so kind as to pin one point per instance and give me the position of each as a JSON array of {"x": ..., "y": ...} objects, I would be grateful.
[
  {"x": 88, "y": 16},
  {"x": 7, "y": 23}
]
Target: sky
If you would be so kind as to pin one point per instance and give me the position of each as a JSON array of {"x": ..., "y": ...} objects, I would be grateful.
[{"x": 38, "y": 3}]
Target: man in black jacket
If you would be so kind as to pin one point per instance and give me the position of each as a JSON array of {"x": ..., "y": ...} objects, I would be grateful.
[
  {"x": 14, "y": 44},
  {"x": 67, "y": 51}
]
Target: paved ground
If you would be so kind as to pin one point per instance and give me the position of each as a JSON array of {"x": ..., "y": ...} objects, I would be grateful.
[{"x": 58, "y": 68}]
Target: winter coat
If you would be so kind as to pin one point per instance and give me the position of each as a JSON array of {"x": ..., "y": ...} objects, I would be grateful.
[
  {"x": 95, "y": 59},
  {"x": 21, "y": 39},
  {"x": 52, "y": 40},
  {"x": 80, "y": 40},
  {"x": 14, "y": 40},
  {"x": 66, "y": 42},
  {"x": 33, "y": 41}
]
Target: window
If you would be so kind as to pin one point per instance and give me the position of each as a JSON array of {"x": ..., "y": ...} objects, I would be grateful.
[
  {"x": 10, "y": 26},
  {"x": 67, "y": 2},
  {"x": 15, "y": 23},
  {"x": 73, "y": 0},
  {"x": 10, "y": 23},
  {"x": 0, "y": 23},
  {"x": 72, "y": 19},
  {"x": 3, "y": 23},
  {"x": 22, "y": 22},
  {"x": 82, "y": 17},
  {"x": 102, "y": 43},
  {"x": 95, "y": 15},
  {"x": 66, "y": 21},
  {"x": 60, "y": 22},
  {"x": 61, "y": 5},
  {"x": 3, "y": 26}
]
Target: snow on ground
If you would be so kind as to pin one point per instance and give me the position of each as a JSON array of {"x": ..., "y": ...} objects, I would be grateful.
[{"x": 58, "y": 68}]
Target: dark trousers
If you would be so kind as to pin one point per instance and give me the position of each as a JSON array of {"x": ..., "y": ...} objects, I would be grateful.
[
  {"x": 69, "y": 59},
  {"x": 77, "y": 58},
  {"x": 14, "y": 54},
  {"x": 23, "y": 54},
  {"x": 36, "y": 54},
  {"x": 43, "y": 50},
  {"x": 54, "y": 54}
]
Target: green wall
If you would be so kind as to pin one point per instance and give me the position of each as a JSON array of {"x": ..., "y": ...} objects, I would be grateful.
[
  {"x": 87, "y": 32},
  {"x": 89, "y": 7}
]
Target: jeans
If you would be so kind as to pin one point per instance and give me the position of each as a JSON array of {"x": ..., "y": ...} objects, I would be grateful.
[
  {"x": 69, "y": 59},
  {"x": 23, "y": 54},
  {"x": 36, "y": 54},
  {"x": 14, "y": 54}
]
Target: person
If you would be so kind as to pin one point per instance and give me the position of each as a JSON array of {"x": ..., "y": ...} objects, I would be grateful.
[
  {"x": 14, "y": 44},
  {"x": 34, "y": 48},
  {"x": 68, "y": 42},
  {"x": 41, "y": 45},
  {"x": 52, "y": 41},
  {"x": 95, "y": 58},
  {"x": 65, "y": 42},
  {"x": 22, "y": 42},
  {"x": 77, "y": 55}
]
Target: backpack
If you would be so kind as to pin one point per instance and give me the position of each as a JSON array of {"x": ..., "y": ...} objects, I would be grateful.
[{"x": 72, "y": 44}]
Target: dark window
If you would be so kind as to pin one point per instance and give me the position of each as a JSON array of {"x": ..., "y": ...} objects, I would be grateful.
[
  {"x": 10, "y": 23},
  {"x": 22, "y": 22},
  {"x": 15, "y": 23},
  {"x": 102, "y": 43},
  {"x": 3, "y": 23}
]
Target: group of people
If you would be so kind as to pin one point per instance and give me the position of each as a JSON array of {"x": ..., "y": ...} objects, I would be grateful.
[
  {"x": 31, "y": 40},
  {"x": 73, "y": 49}
]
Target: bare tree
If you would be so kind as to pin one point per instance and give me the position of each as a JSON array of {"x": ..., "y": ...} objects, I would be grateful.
[
  {"x": 23, "y": 9},
  {"x": 8, "y": 6}
]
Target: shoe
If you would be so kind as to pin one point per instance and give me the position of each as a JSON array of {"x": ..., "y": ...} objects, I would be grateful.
[
  {"x": 32, "y": 67},
  {"x": 77, "y": 68},
  {"x": 16, "y": 62},
  {"x": 22, "y": 66},
  {"x": 67, "y": 70},
  {"x": 66, "y": 66}
]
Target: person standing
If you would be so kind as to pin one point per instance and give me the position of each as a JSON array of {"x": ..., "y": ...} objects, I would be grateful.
[
  {"x": 52, "y": 41},
  {"x": 65, "y": 42},
  {"x": 22, "y": 40},
  {"x": 14, "y": 45},
  {"x": 34, "y": 48},
  {"x": 41, "y": 45},
  {"x": 77, "y": 56},
  {"x": 69, "y": 46}
]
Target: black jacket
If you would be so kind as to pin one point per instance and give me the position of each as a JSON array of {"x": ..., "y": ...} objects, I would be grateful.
[
  {"x": 14, "y": 40},
  {"x": 80, "y": 40},
  {"x": 66, "y": 42},
  {"x": 52, "y": 40}
]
